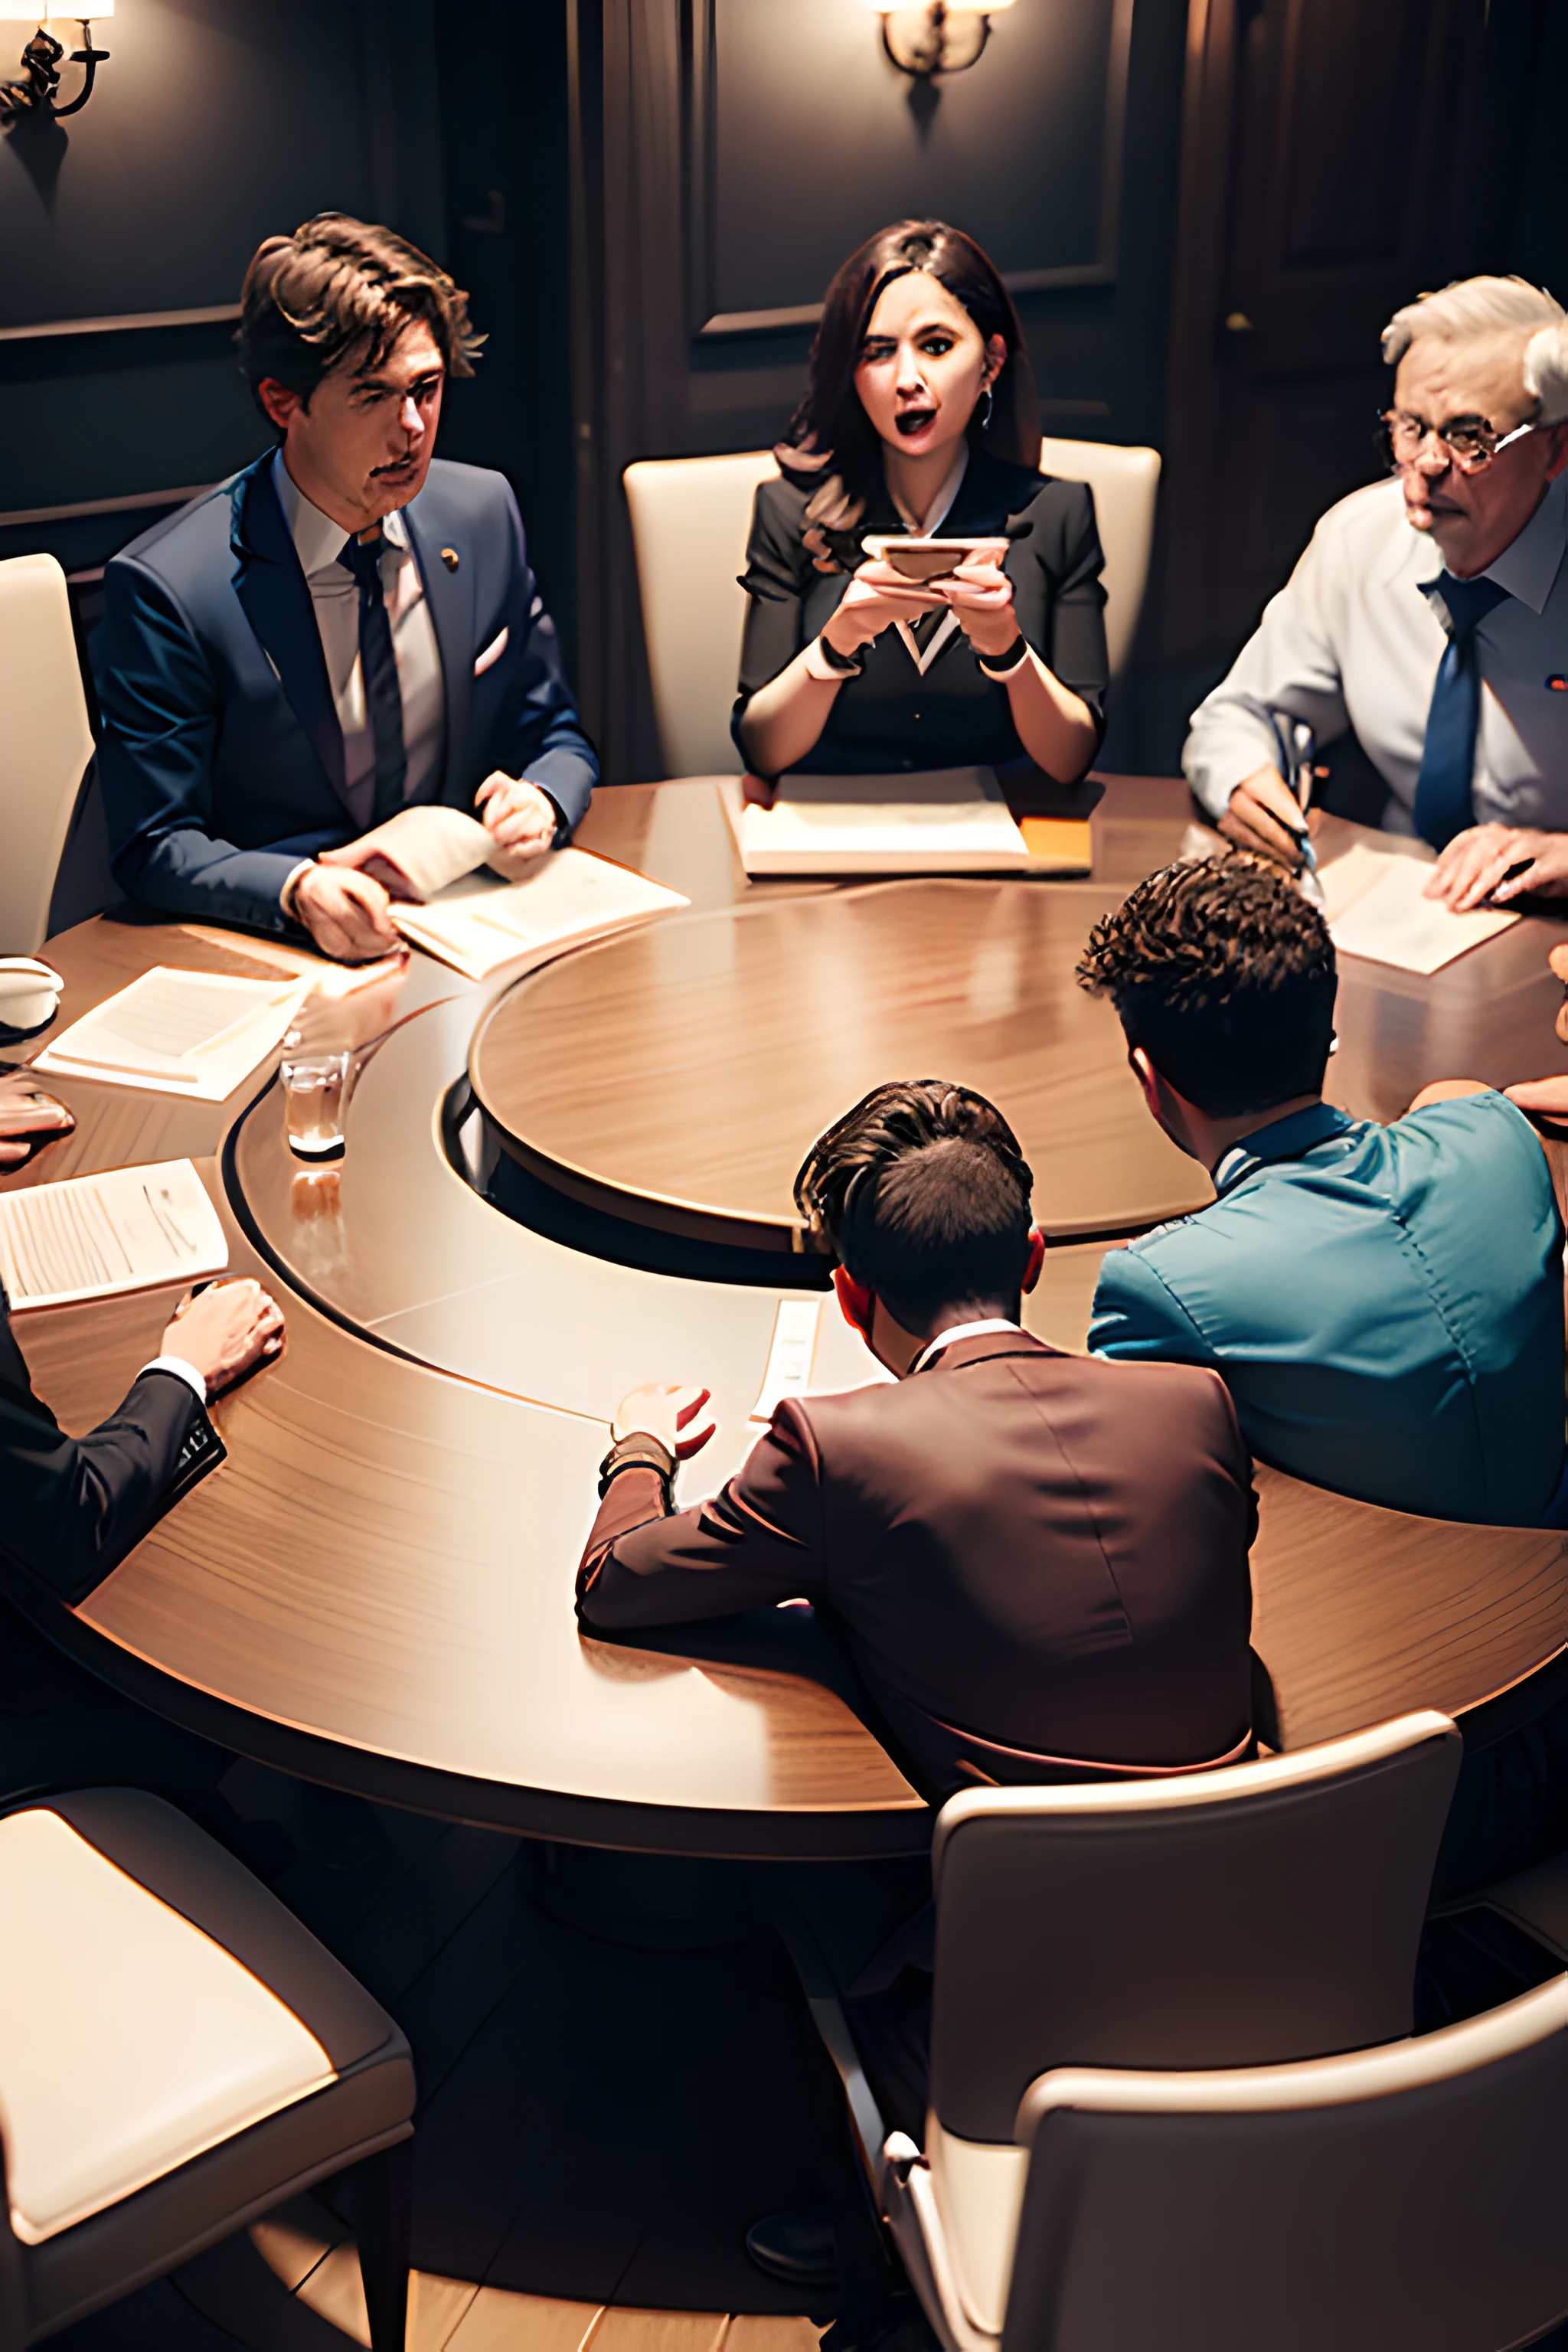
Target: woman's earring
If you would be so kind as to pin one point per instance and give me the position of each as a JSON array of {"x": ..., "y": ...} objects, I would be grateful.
[{"x": 985, "y": 406}]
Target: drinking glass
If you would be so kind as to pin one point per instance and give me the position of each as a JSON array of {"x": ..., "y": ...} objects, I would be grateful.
[{"x": 313, "y": 1090}]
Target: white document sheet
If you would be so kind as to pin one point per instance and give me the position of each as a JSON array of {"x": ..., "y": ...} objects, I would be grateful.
[
  {"x": 1376, "y": 909},
  {"x": 181, "y": 1032},
  {"x": 943, "y": 821},
  {"x": 479, "y": 924},
  {"x": 92, "y": 1236}
]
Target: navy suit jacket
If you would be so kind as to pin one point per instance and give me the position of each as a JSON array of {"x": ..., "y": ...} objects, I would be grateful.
[{"x": 221, "y": 758}]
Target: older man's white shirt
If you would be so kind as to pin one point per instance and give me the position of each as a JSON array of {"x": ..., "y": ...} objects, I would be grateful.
[{"x": 1352, "y": 640}]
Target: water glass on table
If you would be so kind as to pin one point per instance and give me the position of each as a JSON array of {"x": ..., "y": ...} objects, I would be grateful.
[{"x": 314, "y": 1087}]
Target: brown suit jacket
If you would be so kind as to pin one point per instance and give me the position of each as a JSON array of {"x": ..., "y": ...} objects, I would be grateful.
[{"x": 1046, "y": 1551}]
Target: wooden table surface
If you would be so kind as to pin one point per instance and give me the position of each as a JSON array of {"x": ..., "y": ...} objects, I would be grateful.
[{"x": 375, "y": 1589}]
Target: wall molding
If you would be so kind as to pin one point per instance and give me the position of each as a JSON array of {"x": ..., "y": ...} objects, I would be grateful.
[
  {"x": 700, "y": 111},
  {"x": 21, "y": 518},
  {"x": 129, "y": 322}
]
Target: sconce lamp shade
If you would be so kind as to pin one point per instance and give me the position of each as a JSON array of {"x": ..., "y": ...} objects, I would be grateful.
[
  {"x": 955, "y": 8},
  {"x": 60, "y": 20}
]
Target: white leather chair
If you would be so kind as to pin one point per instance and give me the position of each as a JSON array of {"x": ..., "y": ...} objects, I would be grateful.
[
  {"x": 691, "y": 519},
  {"x": 45, "y": 742},
  {"x": 1126, "y": 485},
  {"x": 1409, "y": 2197},
  {"x": 1254, "y": 1915},
  {"x": 177, "y": 2055}
]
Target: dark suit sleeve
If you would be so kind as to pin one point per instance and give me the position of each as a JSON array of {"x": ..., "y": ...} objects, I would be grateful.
[
  {"x": 1055, "y": 571},
  {"x": 538, "y": 737},
  {"x": 777, "y": 573},
  {"x": 161, "y": 711},
  {"x": 75, "y": 1505},
  {"x": 760, "y": 1541}
]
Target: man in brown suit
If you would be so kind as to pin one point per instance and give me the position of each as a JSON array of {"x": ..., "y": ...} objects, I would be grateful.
[{"x": 1039, "y": 1560}]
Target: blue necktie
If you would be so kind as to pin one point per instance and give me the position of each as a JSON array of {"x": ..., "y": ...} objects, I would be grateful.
[
  {"x": 1443, "y": 803},
  {"x": 378, "y": 667}
]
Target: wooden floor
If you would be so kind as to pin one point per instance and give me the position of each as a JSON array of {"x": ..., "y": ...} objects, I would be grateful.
[{"x": 598, "y": 2121}]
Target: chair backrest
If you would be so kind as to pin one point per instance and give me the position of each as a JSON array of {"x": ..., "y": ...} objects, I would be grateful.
[
  {"x": 690, "y": 519},
  {"x": 1405, "y": 2199},
  {"x": 1126, "y": 484},
  {"x": 1261, "y": 1913},
  {"x": 45, "y": 742}
]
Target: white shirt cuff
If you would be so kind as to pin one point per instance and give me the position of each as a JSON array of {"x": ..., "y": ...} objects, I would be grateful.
[
  {"x": 288, "y": 881},
  {"x": 182, "y": 1371}
]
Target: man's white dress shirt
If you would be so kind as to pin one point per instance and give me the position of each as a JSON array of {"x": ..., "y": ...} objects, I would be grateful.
[
  {"x": 334, "y": 593},
  {"x": 1352, "y": 640}
]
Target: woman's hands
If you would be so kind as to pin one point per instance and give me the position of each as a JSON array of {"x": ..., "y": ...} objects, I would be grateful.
[
  {"x": 1478, "y": 866},
  {"x": 876, "y": 598},
  {"x": 981, "y": 595}
]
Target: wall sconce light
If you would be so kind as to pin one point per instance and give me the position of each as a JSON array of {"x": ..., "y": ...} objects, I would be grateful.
[
  {"x": 33, "y": 96},
  {"x": 936, "y": 38}
]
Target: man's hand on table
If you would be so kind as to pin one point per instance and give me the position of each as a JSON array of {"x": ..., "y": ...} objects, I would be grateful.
[
  {"x": 1266, "y": 818},
  {"x": 29, "y": 1119},
  {"x": 225, "y": 1331},
  {"x": 518, "y": 817},
  {"x": 1471, "y": 871},
  {"x": 665, "y": 1410},
  {"x": 347, "y": 914}
]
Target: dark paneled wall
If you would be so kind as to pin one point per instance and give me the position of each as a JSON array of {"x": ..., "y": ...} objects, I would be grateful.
[{"x": 214, "y": 123}]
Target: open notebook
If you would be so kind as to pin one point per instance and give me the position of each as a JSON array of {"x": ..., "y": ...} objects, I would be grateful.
[{"x": 479, "y": 923}]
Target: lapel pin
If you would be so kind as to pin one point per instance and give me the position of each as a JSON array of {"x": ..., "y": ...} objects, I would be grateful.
[{"x": 449, "y": 558}]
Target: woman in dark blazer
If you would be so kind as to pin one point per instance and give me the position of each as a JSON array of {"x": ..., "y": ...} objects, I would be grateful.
[{"x": 922, "y": 418}]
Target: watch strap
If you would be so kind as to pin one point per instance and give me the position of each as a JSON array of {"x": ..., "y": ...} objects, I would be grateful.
[
  {"x": 826, "y": 662},
  {"x": 1004, "y": 665}
]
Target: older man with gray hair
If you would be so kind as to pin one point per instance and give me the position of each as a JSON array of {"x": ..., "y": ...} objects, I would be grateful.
[{"x": 1429, "y": 613}]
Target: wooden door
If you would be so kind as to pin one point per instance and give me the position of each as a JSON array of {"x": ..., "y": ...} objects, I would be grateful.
[{"x": 1324, "y": 185}]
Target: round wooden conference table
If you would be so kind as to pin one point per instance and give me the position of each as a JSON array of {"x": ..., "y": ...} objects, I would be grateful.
[{"x": 375, "y": 1589}]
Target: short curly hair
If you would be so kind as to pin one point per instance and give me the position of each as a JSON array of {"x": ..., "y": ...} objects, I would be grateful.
[
  {"x": 1224, "y": 975},
  {"x": 923, "y": 1194},
  {"x": 340, "y": 288}
]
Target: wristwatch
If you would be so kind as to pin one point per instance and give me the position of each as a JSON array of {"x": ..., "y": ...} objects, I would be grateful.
[
  {"x": 1008, "y": 662},
  {"x": 639, "y": 1450}
]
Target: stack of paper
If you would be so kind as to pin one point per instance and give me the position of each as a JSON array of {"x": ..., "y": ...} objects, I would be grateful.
[
  {"x": 91, "y": 1237},
  {"x": 178, "y": 1033},
  {"x": 1376, "y": 907},
  {"x": 479, "y": 924},
  {"x": 944, "y": 821}
]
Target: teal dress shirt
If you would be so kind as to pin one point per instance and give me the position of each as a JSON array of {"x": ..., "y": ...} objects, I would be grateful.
[{"x": 1383, "y": 1302}]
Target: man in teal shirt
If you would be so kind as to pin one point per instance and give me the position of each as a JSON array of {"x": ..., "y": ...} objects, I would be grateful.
[{"x": 1384, "y": 1304}]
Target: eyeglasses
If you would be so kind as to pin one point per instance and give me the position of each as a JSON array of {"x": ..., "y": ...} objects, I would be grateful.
[{"x": 1470, "y": 441}]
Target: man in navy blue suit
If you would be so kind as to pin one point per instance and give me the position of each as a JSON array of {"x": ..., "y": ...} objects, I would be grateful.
[{"x": 342, "y": 629}]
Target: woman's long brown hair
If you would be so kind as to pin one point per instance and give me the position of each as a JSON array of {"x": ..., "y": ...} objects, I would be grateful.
[{"x": 830, "y": 445}]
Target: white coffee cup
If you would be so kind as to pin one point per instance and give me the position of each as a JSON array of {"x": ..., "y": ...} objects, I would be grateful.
[{"x": 29, "y": 992}]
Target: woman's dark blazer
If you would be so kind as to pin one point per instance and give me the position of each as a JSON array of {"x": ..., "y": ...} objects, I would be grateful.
[{"x": 892, "y": 717}]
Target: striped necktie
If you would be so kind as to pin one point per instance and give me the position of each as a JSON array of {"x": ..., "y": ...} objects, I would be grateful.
[
  {"x": 1443, "y": 803},
  {"x": 378, "y": 667}
]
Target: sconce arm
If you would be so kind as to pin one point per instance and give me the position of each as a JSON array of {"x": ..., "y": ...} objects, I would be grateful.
[{"x": 91, "y": 59}]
